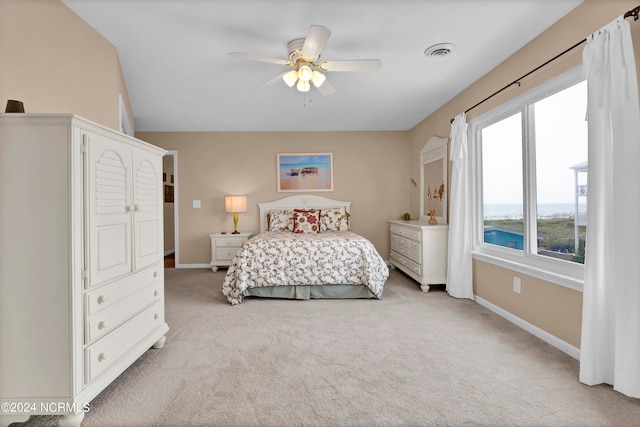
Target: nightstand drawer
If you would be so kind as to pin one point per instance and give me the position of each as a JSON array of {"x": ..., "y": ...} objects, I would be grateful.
[
  {"x": 226, "y": 254},
  {"x": 230, "y": 241},
  {"x": 224, "y": 248}
]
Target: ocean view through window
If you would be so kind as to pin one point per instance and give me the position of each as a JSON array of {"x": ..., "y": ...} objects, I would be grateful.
[{"x": 532, "y": 169}]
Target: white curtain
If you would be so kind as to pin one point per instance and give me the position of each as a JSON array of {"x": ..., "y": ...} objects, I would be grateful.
[
  {"x": 610, "y": 347},
  {"x": 459, "y": 270}
]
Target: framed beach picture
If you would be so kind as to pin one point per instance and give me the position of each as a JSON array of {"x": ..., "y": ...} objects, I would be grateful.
[{"x": 305, "y": 172}]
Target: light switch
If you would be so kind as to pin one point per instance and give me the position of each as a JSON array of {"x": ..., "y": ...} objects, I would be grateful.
[{"x": 196, "y": 204}]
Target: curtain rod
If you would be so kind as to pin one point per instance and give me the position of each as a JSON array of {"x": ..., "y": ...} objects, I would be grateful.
[{"x": 635, "y": 13}]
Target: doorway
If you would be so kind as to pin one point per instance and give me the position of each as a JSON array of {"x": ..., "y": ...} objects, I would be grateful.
[{"x": 170, "y": 206}]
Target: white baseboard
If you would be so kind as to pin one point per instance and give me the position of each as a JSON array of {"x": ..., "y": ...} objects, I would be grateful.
[
  {"x": 532, "y": 329},
  {"x": 193, "y": 265}
]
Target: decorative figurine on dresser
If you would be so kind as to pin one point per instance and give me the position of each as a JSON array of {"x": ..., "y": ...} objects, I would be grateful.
[
  {"x": 81, "y": 262},
  {"x": 419, "y": 248}
]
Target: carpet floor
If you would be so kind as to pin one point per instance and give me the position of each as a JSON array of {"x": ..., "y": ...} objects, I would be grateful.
[{"x": 409, "y": 359}]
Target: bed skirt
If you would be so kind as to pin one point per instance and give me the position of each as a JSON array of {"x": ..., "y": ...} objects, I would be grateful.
[{"x": 312, "y": 292}]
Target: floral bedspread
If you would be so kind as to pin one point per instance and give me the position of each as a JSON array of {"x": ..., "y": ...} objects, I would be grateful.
[{"x": 283, "y": 258}]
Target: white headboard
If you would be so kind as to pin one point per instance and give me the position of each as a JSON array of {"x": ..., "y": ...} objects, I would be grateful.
[{"x": 304, "y": 201}]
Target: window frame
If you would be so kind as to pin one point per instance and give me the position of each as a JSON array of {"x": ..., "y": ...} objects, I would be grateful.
[{"x": 525, "y": 261}]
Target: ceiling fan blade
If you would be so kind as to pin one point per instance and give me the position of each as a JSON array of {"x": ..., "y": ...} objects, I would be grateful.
[
  {"x": 326, "y": 88},
  {"x": 251, "y": 57},
  {"x": 315, "y": 41},
  {"x": 270, "y": 82},
  {"x": 352, "y": 65}
]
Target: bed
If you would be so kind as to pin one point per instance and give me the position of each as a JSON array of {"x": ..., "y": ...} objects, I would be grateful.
[{"x": 305, "y": 250}]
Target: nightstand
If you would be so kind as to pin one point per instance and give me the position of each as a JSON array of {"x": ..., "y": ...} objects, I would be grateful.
[{"x": 224, "y": 248}]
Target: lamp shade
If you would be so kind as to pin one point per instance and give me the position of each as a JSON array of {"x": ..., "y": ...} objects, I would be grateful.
[
  {"x": 290, "y": 78},
  {"x": 304, "y": 73},
  {"x": 317, "y": 78},
  {"x": 235, "y": 204}
]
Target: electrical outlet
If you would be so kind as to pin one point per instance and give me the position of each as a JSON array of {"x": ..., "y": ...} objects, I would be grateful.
[
  {"x": 196, "y": 204},
  {"x": 517, "y": 285}
]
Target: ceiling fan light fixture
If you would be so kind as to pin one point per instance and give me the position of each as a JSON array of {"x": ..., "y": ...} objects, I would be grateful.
[
  {"x": 304, "y": 73},
  {"x": 303, "y": 86},
  {"x": 290, "y": 78},
  {"x": 317, "y": 78}
]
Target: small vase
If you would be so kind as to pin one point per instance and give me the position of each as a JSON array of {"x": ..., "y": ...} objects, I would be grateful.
[{"x": 432, "y": 215}]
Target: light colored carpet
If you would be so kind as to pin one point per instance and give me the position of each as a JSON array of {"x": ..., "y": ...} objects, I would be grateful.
[{"x": 409, "y": 359}]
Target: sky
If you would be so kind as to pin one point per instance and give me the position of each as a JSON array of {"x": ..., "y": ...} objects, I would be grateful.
[{"x": 561, "y": 142}]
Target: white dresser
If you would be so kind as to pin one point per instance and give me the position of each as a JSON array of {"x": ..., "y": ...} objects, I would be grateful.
[
  {"x": 420, "y": 250},
  {"x": 81, "y": 261},
  {"x": 224, "y": 248}
]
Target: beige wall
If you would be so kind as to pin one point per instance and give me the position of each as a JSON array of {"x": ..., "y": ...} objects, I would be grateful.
[
  {"x": 370, "y": 170},
  {"x": 54, "y": 62},
  {"x": 552, "y": 308}
]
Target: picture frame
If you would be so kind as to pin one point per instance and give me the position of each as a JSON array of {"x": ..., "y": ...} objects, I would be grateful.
[{"x": 304, "y": 172}]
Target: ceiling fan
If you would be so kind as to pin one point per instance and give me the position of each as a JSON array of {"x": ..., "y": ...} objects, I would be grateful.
[{"x": 304, "y": 57}]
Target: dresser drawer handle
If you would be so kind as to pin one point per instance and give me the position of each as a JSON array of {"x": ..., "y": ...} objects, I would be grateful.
[
  {"x": 102, "y": 325},
  {"x": 101, "y": 357},
  {"x": 155, "y": 274},
  {"x": 102, "y": 299},
  {"x": 156, "y": 316},
  {"x": 155, "y": 293}
]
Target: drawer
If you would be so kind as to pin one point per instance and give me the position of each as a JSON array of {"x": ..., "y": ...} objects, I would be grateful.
[
  {"x": 112, "y": 347},
  {"x": 408, "y": 248},
  {"x": 230, "y": 241},
  {"x": 105, "y": 296},
  {"x": 407, "y": 263},
  {"x": 407, "y": 232},
  {"x": 226, "y": 254},
  {"x": 107, "y": 320}
]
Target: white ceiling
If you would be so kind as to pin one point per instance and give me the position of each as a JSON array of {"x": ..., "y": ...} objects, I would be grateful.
[{"x": 179, "y": 78}]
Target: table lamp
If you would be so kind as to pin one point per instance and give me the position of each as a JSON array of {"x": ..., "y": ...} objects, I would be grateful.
[{"x": 235, "y": 204}]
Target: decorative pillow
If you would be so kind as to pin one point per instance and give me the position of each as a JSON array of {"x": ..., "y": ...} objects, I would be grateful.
[
  {"x": 306, "y": 221},
  {"x": 280, "y": 220},
  {"x": 334, "y": 219}
]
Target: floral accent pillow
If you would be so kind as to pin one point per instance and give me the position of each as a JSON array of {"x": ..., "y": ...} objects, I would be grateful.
[
  {"x": 306, "y": 221},
  {"x": 280, "y": 220},
  {"x": 334, "y": 219}
]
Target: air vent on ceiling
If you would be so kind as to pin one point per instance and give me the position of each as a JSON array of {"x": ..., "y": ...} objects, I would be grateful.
[{"x": 440, "y": 50}]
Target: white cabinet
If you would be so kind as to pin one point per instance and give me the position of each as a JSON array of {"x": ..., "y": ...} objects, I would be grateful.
[
  {"x": 224, "y": 248},
  {"x": 420, "y": 250},
  {"x": 81, "y": 261}
]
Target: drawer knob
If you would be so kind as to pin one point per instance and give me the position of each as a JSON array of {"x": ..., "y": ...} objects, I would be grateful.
[
  {"x": 101, "y": 357},
  {"x": 155, "y": 274},
  {"x": 156, "y": 316},
  {"x": 102, "y": 299},
  {"x": 102, "y": 325},
  {"x": 155, "y": 293}
]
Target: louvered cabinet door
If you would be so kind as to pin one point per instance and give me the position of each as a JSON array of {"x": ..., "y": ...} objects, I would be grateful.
[
  {"x": 109, "y": 208},
  {"x": 147, "y": 206}
]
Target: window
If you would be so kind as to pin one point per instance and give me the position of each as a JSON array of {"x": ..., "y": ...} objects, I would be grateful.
[{"x": 531, "y": 172}]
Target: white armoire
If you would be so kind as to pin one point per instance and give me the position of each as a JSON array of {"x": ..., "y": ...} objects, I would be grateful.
[{"x": 81, "y": 261}]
